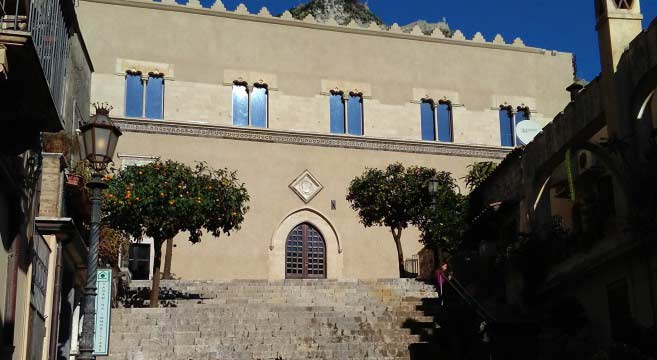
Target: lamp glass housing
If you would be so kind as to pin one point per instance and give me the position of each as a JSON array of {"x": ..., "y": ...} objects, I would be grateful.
[{"x": 99, "y": 139}]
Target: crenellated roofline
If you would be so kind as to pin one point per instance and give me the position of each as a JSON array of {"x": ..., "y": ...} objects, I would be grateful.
[{"x": 394, "y": 31}]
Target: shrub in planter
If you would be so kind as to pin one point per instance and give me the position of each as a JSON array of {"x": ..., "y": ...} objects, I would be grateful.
[{"x": 79, "y": 174}]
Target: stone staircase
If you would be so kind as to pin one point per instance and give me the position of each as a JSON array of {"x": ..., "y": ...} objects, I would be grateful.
[{"x": 288, "y": 320}]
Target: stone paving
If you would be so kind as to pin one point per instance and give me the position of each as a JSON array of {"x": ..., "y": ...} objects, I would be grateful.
[{"x": 289, "y": 320}]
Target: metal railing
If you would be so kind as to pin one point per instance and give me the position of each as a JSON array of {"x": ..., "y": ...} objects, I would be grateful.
[
  {"x": 465, "y": 295},
  {"x": 412, "y": 265},
  {"x": 44, "y": 19}
]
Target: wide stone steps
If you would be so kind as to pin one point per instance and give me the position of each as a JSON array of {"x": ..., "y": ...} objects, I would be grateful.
[{"x": 289, "y": 320}]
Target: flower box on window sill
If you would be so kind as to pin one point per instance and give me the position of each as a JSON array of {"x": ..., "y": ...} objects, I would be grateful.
[{"x": 75, "y": 180}]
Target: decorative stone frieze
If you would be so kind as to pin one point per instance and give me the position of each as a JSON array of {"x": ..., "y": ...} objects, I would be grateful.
[{"x": 309, "y": 139}]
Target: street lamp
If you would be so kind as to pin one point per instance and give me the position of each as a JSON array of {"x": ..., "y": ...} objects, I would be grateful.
[
  {"x": 434, "y": 183},
  {"x": 99, "y": 138}
]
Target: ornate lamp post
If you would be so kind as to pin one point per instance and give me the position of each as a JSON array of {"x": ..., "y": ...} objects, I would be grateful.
[
  {"x": 434, "y": 183},
  {"x": 99, "y": 138}
]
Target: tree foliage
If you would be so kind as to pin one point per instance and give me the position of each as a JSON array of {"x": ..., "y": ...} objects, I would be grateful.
[
  {"x": 113, "y": 243},
  {"x": 478, "y": 173},
  {"x": 161, "y": 199},
  {"x": 398, "y": 197},
  {"x": 443, "y": 223}
]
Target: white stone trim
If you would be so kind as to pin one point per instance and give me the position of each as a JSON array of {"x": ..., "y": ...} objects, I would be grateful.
[
  {"x": 167, "y": 127},
  {"x": 334, "y": 256}
]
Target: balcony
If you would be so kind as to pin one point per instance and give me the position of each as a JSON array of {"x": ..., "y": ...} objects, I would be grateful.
[{"x": 34, "y": 47}]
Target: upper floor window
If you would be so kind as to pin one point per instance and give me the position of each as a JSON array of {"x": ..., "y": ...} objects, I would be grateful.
[
  {"x": 428, "y": 120},
  {"x": 346, "y": 114},
  {"x": 155, "y": 97},
  {"x": 445, "y": 122},
  {"x": 259, "y": 108},
  {"x": 507, "y": 133},
  {"x": 250, "y": 107},
  {"x": 355, "y": 114},
  {"x": 134, "y": 93},
  {"x": 337, "y": 112},
  {"x": 144, "y": 98},
  {"x": 436, "y": 120}
]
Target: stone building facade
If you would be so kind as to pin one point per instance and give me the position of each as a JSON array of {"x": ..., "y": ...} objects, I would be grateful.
[{"x": 301, "y": 107}]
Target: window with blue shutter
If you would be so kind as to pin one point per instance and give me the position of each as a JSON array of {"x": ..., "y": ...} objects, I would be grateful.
[
  {"x": 445, "y": 122},
  {"x": 506, "y": 126},
  {"x": 355, "y": 114},
  {"x": 155, "y": 97},
  {"x": 428, "y": 120},
  {"x": 134, "y": 95},
  {"x": 336, "y": 104}
]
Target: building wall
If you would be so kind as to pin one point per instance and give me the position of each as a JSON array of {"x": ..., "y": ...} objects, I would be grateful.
[
  {"x": 202, "y": 53},
  {"x": 267, "y": 169},
  {"x": 78, "y": 84}
]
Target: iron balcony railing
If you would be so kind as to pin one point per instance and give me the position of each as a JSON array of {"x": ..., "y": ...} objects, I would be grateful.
[{"x": 44, "y": 19}]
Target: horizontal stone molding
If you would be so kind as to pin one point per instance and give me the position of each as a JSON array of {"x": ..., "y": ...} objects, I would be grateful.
[
  {"x": 394, "y": 31},
  {"x": 309, "y": 139}
]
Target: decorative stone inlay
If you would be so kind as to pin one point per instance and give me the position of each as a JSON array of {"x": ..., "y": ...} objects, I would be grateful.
[
  {"x": 310, "y": 139},
  {"x": 306, "y": 186}
]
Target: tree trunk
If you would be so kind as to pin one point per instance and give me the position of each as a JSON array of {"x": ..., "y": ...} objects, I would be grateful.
[
  {"x": 155, "y": 287},
  {"x": 400, "y": 252},
  {"x": 167, "y": 260}
]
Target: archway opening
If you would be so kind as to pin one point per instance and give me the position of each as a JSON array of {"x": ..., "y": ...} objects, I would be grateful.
[{"x": 305, "y": 253}]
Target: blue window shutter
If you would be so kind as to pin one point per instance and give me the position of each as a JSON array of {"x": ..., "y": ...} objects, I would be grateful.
[
  {"x": 240, "y": 105},
  {"x": 154, "y": 97},
  {"x": 259, "y": 107},
  {"x": 355, "y": 115},
  {"x": 134, "y": 92},
  {"x": 337, "y": 114},
  {"x": 445, "y": 123},
  {"x": 521, "y": 115},
  {"x": 506, "y": 127},
  {"x": 428, "y": 121}
]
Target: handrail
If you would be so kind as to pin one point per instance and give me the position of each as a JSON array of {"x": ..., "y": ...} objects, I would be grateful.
[{"x": 470, "y": 300}]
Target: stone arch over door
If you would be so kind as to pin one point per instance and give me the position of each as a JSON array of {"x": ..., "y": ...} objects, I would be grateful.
[{"x": 334, "y": 259}]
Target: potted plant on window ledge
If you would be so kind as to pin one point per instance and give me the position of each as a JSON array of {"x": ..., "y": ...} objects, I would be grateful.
[{"x": 79, "y": 174}]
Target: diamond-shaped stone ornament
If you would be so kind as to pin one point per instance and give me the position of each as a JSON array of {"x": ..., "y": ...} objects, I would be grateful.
[{"x": 306, "y": 186}]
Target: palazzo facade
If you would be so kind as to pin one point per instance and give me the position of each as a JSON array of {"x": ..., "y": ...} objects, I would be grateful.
[{"x": 301, "y": 107}]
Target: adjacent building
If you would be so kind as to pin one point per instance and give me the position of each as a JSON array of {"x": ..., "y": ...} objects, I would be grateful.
[
  {"x": 45, "y": 74},
  {"x": 571, "y": 215}
]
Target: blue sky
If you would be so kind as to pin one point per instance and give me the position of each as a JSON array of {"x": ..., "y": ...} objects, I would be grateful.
[{"x": 555, "y": 25}]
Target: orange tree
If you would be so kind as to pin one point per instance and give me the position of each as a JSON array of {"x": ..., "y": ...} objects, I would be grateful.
[
  {"x": 162, "y": 199},
  {"x": 395, "y": 198}
]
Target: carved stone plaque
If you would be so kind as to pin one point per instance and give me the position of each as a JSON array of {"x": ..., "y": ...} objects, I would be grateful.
[{"x": 306, "y": 186}]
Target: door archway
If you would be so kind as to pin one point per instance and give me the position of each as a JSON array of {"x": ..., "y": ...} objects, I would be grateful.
[{"x": 305, "y": 253}]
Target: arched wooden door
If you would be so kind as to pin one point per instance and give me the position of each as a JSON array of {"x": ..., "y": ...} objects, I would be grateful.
[{"x": 305, "y": 253}]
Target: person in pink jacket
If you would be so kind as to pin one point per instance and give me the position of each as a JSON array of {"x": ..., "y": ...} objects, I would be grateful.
[{"x": 442, "y": 276}]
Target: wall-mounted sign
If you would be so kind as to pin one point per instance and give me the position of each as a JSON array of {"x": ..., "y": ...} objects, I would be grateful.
[
  {"x": 103, "y": 307},
  {"x": 526, "y": 131}
]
